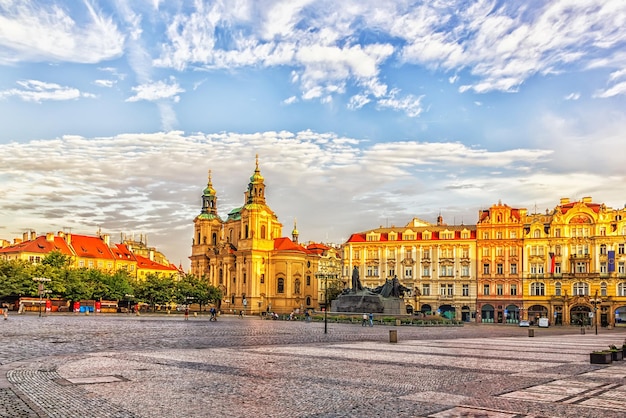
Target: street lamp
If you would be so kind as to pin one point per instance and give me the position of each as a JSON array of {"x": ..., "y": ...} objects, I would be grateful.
[
  {"x": 325, "y": 272},
  {"x": 595, "y": 302},
  {"x": 41, "y": 289},
  {"x": 128, "y": 296}
]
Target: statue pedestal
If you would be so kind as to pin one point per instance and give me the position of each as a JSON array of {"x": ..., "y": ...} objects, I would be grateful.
[
  {"x": 364, "y": 302},
  {"x": 394, "y": 306}
]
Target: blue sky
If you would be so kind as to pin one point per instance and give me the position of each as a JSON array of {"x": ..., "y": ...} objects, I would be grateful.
[{"x": 363, "y": 113}]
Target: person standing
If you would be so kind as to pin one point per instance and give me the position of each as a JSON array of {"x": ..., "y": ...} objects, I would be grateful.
[
  {"x": 186, "y": 313},
  {"x": 371, "y": 318},
  {"x": 364, "y": 322},
  {"x": 307, "y": 316}
]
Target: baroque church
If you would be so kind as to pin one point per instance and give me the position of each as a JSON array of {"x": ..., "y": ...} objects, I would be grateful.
[{"x": 257, "y": 269}]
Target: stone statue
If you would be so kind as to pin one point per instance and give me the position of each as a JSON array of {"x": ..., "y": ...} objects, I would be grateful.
[
  {"x": 391, "y": 288},
  {"x": 356, "y": 283}
]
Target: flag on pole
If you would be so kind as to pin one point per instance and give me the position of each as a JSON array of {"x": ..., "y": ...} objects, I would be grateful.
[{"x": 611, "y": 261}]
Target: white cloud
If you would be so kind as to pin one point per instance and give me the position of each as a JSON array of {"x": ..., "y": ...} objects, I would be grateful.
[
  {"x": 158, "y": 90},
  {"x": 104, "y": 83},
  {"x": 38, "y": 91},
  {"x": 358, "y": 101},
  {"x": 409, "y": 104},
  {"x": 30, "y": 31},
  {"x": 290, "y": 100}
]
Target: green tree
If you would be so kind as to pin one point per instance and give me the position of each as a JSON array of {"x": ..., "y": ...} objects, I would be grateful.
[
  {"x": 57, "y": 259},
  {"x": 16, "y": 279},
  {"x": 155, "y": 290}
]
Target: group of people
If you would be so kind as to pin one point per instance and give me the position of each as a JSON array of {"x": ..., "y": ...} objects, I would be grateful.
[{"x": 368, "y": 317}]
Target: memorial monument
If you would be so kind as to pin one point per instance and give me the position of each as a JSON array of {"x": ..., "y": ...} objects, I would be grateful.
[{"x": 386, "y": 298}]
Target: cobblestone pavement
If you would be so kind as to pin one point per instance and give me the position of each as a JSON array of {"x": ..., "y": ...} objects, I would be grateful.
[{"x": 151, "y": 366}]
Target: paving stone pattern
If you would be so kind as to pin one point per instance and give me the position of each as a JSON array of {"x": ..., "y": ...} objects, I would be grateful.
[{"x": 156, "y": 366}]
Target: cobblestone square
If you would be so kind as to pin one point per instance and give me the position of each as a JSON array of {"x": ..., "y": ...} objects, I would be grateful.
[{"x": 150, "y": 366}]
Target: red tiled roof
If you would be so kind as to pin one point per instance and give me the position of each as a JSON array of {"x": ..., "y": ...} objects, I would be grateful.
[
  {"x": 286, "y": 244},
  {"x": 90, "y": 247},
  {"x": 121, "y": 252},
  {"x": 146, "y": 263},
  {"x": 39, "y": 245}
]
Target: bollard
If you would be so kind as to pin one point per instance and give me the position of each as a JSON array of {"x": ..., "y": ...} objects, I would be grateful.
[
  {"x": 531, "y": 332},
  {"x": 582, "y": 331},
  {"x": 393, "y": 336},
  {"x": 398, "y": 322},
  {"x": 195, "y": 314}
]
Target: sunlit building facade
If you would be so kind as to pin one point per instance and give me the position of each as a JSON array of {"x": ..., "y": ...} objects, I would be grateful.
[
  {"x": 437, "y": 262},
  {"x": 246, "y": 256}
]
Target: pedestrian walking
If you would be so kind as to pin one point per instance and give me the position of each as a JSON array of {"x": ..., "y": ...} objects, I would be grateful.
[
  {"x": 186, "y": 313},
  {"x": 371, "y": 317},
  {"x": 307, "y": 316},
  {"x": 5, "y": 312},
  {"x": 364, "y": 322}
]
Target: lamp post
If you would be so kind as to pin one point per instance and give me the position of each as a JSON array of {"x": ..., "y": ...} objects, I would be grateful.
[
  {"x": 595, "y": 302},
  {"x": 325, "y": 272},
  {"x": 128, "y": 296},
  {"x": 41, "y": 289}
]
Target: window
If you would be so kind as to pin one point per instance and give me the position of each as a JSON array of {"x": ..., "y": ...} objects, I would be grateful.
[
  {"x": 426, "y": 271},
  {"x": 603, "y": 249},
  {"x": 499, "y": 235},
  {"x": 392, "y": 272},
  {"x": 446, "y": 270},
  {"x": 557, "y": 288},
  {"x": 465, "y": 290},
  {"x": 281, "y": 285},
  {"x": 262, "y": 278},
  {"x": 513, "y": 251},
  {"x": 513, "y": 290},
  {"x": 391, "y": 253},
  {"x": 621, "y": 267},
  {"x": 465, "y": 253},
  {"x": 426, "y": 253},
  {"x": 486, "y": 290},
  {"x": 513, "y": 268},
  {"x": 308, "y": 280},
  {"x": 425, "y": 289},
  {"x": 499, "y": 251},
  {"x": 485, "y": 235},
  {"x": 465, "y": 235},
  {"x": 581, "y": 267},
  {"x": 296, "y": 287},
  {"x": 372, "y": 271},
  {"x": 557, "y": 268},
  {"x": 447, "y": 253},
  {"x": 513, "y": 234},
  {"x": 603, "y": 267},
  {"x": 499, "y": 290},
  {"x": 357, "y": 254},
  {"x": 537, "y": 289},
  {"x": 446, "y": 289},
  {"x": 581, "y": 289},
  {"x": 620, "y": 249},
  {"x": 621, "y": 289},
  {"x": 485, "y": 252},
  {"x": 557, "y": 250},
  {"x": 408, "y": 272},
  {"x": 244, "y": 277},
  {"x": 537, "y": 234},
  {"x": 603, "y": 289},
  {"x": 486, "y": 268},
  {"x": 465, "y": 270},
  {"x": 372, "y": 254},
  {"x": 499, "y": 268},
  {"x": 557, "y": 232},
  {"x": 602, "y": 231}
]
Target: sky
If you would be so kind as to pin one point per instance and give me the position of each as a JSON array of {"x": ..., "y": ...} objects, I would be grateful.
[{"x": 363, "y": 113}]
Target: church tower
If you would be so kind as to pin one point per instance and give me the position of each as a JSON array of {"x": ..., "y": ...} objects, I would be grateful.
[{"x": 207, "y": 231}]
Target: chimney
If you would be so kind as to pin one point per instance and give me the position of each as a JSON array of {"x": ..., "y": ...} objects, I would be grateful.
[
  {"x": 587, "y": 199},
  {"x": 68, "y": 239},
  {"x": 25, "y": 236},
  {"x": 16, "y": 241},
  {"x": 33, "y": 235},
  {"x": 151, "y": 255},
  {"x": 107, "y": 239},
  {"x": 564, "y": 200},
  {"x": 49, "y": 237}
]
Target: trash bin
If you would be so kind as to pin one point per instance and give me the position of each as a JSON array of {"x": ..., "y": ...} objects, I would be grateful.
[
  {"x": 393, "y": 336},
  {"x": 582, "y": 330},
  {"x": 531, "y": 332}
]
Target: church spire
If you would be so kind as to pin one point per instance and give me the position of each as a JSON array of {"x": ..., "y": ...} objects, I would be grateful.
[
  {"x": 209, "y": 198},
  {"x": 256, "y": 187},
  {"x": 295, "y": 233}
]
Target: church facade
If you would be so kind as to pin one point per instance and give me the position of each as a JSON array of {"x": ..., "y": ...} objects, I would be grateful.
[{"x": 246, "y": 256}]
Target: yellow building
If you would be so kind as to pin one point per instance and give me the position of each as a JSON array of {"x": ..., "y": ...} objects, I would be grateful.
[
  {"x": 574, "y": 269},
  {"x": 245, "y": 255},
  {"x": 437, "y": 262},
  {"x": 499, "y": 241}
]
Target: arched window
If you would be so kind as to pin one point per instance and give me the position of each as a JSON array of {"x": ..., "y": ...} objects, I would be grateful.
[
  {"x": 603, "y": 289},
  {"x": 603, "y": 249},
  {"x": 308, "y": 301},
  {"x": 245, "y": 232},
  {"x": 214, "y": 238},
  {"x": 557, "y": 288},
  {"x": 581, "y": 289},
  {"x": 537, "y": 289},
  {"x": 280, "y": 285},
  {"x": 537, "y": 233},
  {"x": 263, "y": 232},
  {"x": 221, "y": 276},
  {"x": 308, "y": 280}
]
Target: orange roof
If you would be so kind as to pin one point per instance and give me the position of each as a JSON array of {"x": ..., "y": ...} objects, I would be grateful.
[
  {"x": 146, "y": 263},
  {"x": 121, "y": 252},
  {"x": 90, "y": 247},
  {"x": 286, "y": 244},
  {"x": 39, "y": 245}
]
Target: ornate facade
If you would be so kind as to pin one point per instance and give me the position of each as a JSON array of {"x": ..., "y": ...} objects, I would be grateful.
[
  {"x": 245, "y": 255},
  {"x": 437, "y": 262},
  {"x": 567, "y": 265}
]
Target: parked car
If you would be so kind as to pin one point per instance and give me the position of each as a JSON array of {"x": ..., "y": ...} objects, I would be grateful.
[{"x": 524, "y": 323}]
